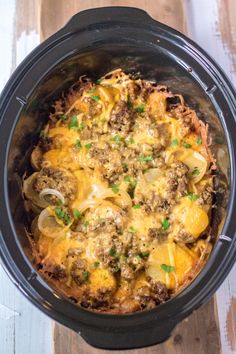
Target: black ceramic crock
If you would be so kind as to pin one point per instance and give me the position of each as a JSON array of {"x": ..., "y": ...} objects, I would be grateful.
[{"x": 93, "y": 43}]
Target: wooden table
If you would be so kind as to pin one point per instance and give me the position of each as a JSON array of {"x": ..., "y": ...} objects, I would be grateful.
[{"x": 24, "y": 23}]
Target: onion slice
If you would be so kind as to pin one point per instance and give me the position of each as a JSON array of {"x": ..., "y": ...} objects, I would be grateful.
[
  {"x": 50, "y": 191},
  {"x": 48, "y": 225},
  {"x": 96, "y": 196},
  {"x": 152, "y": 174},
  {"x": 31, "y": 194},
  {"x": 196, "y": 163},
  {"x": 99, "y": 193},
  {"x": 122, "y": 199}
]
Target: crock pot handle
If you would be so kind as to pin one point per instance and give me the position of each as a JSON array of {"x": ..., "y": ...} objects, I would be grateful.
[
  {"x": 128, "y": 339},
  {"x": 86, "y": 18}
]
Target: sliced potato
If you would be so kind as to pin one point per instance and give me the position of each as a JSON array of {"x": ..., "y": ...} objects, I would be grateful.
[
  {"x": 101, "y": 278},
  {"x": 68, "y": 136},
  {"x": 193, "y": 217},
  {"x": 169, "y": 254},
  {"x": 56, "y": 250}
]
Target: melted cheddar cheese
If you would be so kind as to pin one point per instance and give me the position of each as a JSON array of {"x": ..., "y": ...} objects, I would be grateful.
[{"x": 122, "y": 194}]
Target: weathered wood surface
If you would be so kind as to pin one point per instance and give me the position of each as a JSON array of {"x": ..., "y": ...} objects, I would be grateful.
[
  {"x": 198, "y": 334},
  {"x": 215, "y": 30},
  {"x": 169, "y": 12},
  {"x": 211, "y": 23},
  {"x": 23, "y": 328}
]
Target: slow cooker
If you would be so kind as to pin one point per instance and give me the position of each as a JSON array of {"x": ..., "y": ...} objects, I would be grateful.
[{"x": 94, "y": 42}]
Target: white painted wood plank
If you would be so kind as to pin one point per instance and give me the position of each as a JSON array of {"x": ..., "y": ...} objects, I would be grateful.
[
  {"x": 23, "y": 328},
  {"x": 225, "y": 296},
  {"x": 203, "y": 27},
  {"x": 6, "y": 34},
  {"x": 7, "y": 322}
]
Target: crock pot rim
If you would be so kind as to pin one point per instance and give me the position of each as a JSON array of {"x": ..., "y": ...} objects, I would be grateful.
[{"x": 58, "y": 37}]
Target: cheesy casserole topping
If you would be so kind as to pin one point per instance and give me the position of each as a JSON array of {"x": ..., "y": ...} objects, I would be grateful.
[{"x": 121, "y": 194}]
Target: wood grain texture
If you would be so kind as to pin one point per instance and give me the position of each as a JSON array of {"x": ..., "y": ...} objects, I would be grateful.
[
  {"x": 170, "y": 12},
  {"x": 227, "y": 29},
  {"x": 23, "y": 328},
  {"x": 215, "y": 31},
  {"x": 199, "y": 333},
  {"x": 212, "y": 24}
]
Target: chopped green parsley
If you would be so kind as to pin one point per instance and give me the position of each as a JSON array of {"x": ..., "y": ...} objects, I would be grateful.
[
  {"x": 115, "y": 188},
  {"x": 165, "y": 224},
  {"x": 140, "y": 108},
  {"x": 167, "y": 268},
  {"x": 73, "y": 123}
]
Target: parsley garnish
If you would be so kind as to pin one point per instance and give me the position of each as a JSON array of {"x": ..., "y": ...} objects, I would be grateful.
[
  {"x": 77, "y": 214},
  {"x": 132, "y": 230},
  {"x": 60, "y": 203},
  {"x": 130, "y": 141},
  {"x": 132, "y": 184},
  {"x": 115, "y": 188},
  {"x": 96, "y": 98},
  {"x": 199, "y": 141},
  {"x": 63, "y": 117},
  {"x": 138, "y": 258},
  {"x": 167, "y": 268},
  {"x": 81, "y": 126},
  {"x": 144, "y": 254},
  {"x": 62, "y": 215},
  {"x": 66, "y": 219},
  {"x": 88, "y": 146},
  {"x": 174, "y": 142},
  {"x": 86, "y": 223},
  {"x": 192, "y": 196},
  {"x": 195, "y": 172},
  {"x": 127, "y": 179},
  {"x": 187, "y": 145},
  {"x": 73, "y": 123},
  {"x": 136, "y": 206},
  {"x": 78, "y": 144},
  {"x": 101, "y": 221},
  {"x": 124, "y": 166},
  {"x": 96, "y": 264},
  {"x": 112, "y": 252},
  {"x": 129, "y": 102},
  {"x": 165, "y": 224},
  {"x": 92, "y": 89},
  {"x": 123, "y": 259},
  {"x": 117, "y": 138},
  {"x": 86, "y": 275},
  {"x": 140, "y": 108},
  {"x": 98, "y": 81},
  {"x": 144, "y": 158}
]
